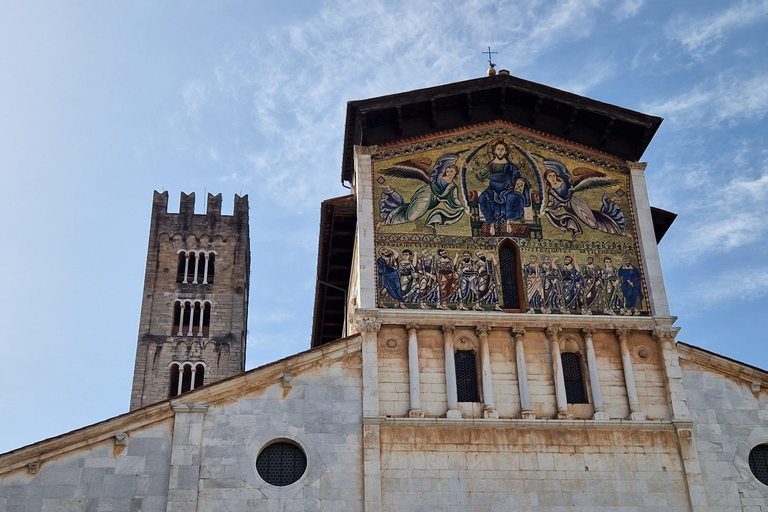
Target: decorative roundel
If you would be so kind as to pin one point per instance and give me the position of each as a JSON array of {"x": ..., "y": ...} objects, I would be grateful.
[
  {"x": 758, "y": 462},
  {"x": 281, "y": 463}
]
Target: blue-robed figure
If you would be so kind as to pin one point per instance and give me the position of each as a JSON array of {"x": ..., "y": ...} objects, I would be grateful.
[
  {"x": 631, "y": 286},
  {"x": 389, "y": 277},
  {"x": 508, "y": 193}
]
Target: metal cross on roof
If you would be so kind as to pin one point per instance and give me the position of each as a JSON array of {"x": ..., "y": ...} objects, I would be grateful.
[{"x": 489, "y": 52}]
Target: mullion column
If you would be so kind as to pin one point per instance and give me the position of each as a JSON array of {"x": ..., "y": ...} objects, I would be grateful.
[
  {"x": 451, "y": 392},
  {"x": 553, "y": 333},
  {"x": 522, "y": 375},
  {"x": 413, "y": 372},
  {"x": 489, "y": 410},
  {"x": 594, "y": 379},
  {"x": 629, "y": 376}
]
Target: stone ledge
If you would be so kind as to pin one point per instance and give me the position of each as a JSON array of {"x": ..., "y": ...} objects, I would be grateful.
[
  {"x": 388, "y": 422},
  {"x": 436, "y": 318}
]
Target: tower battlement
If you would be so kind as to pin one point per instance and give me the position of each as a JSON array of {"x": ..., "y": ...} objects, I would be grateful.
[{"x": 187, "y": 215}]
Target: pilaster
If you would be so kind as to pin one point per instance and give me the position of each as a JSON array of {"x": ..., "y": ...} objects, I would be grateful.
[
  {"x": 646, "y": 236},
  {"x": 183, "y": 483}
]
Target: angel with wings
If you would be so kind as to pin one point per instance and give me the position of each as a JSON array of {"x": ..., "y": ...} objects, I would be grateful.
[
  {"x": 439, "y": 198},
  {"x": 563, "y": 185}
]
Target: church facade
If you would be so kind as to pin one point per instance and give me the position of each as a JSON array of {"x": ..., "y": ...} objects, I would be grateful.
[{"x": 491, "y": 332}]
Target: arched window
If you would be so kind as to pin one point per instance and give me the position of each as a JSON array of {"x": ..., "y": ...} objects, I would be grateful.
[
  {"x": 185, "y": 377},
  {"x": 575, "y": 391},
  {"x": 191, "y": 318},
  {"x": 466, "y": 376},
  {"x": 196, "y": 267},
  {"x": 511, "y": 282}
]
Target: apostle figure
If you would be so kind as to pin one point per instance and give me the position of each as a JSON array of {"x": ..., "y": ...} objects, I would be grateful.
[
  {"x": 631, "y": 287},
  {"x": 389, "y": 277},
  {"x": 446, "y": 278},
  {"x": 534, "y": 285}
]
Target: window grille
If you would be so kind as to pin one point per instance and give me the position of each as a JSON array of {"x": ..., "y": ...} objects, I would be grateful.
[
  {"x": 509, "y": 276},
  {"x": 466, "y": 376},
  {"x": 575, "y": 392},
  {"x": 281, "y": 463},
  {"x": 758, "y": 462}
]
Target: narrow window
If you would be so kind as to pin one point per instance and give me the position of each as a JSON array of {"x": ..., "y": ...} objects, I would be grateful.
[
  {"x": 186, "y": 379},
  {"x": 199, "y": 375},
  {"x": 177, "y": 309},
  {"x": 191, "y": 267},
  {"x": 466, "y": 376},
  {"x": 196, "y": 324},
  {"x": 206, "y": 318},
  {"x": 575, "y": 392},
  {"x": 174, "y": 390},
  {"x": 211, "y": 267},
  {"x": 182, "y": 267},
  {"x": 509, "y": 266},
  {"x": 200, "y": 268}
]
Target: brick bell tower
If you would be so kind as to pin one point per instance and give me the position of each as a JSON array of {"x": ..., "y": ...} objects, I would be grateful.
[{"x": 194, "y": 308}]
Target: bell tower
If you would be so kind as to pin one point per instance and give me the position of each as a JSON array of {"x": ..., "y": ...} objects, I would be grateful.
[{"x": 194, "y": 309}]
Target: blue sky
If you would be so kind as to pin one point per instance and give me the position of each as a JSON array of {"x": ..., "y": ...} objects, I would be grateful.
[{"x": 103, "y": 102}]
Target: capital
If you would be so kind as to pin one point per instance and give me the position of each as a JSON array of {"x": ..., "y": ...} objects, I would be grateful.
[
  {"x": 368, "y": 325},
  {"x": 518, "y": 331},
  {"x": 588, "y": 331},
  {"x": 662, "y": 333},
  {"x": 412, "y": 326},
  {"x": 553, "y": 332},
  {"x": 482, "y": 330},
  {"x": 623, "y": 332},
  {"x": 449, "y": 328}
]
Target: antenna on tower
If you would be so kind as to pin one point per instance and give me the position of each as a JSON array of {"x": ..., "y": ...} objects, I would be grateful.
[{"x": 491, "y": 69}]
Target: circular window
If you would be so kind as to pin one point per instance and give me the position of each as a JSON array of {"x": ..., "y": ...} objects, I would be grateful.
[
  {"x": 281, "y": 463},
  {"x": 758, "y": 462}
]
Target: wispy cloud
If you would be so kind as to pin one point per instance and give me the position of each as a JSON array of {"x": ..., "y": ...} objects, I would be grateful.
[
  {"x": 727, "y": 99},
  {"x": 291, "y": 84},
  {"x": 628, "y": 9},
  {"x": 704, "y": 36},
  {"x": 728, "y": 286},
  {"x": 722, "y": 213}
]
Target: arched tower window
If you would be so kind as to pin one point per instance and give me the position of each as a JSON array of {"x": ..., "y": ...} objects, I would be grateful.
[
  {"x": 185, "y": 377},
  {"x": 575, "y": 391},
  {"x": 511, "y": 281},
  {"x": 191, "y": 318},
  {"x": 196, "y": 267},
  {"x": 466, "y": 376}
]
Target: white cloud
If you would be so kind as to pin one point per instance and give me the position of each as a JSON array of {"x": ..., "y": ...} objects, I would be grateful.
[
  {"x": 293, "y": 82},
  {"x": 728, "y": 286},
  {"x": 727, "y": 99},
  {"x": 723, "y": 204},
  {"x": 705, "y": 36},
  {"x": 628, "y": 9}
]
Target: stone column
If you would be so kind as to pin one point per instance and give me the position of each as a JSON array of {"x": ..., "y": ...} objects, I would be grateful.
[
  {"x": 677, "y": 399},
  {"x": 205, "y": 270},
  {"x": 649, "y": 251},
  {"x": 522, "y": 375},
  {"x": 451, "y": 392},
  {"x": 413, "y": 372},
  {"x": 186, "y": 267},
  {"x": 489, "y": 410},
  {"x": 629, "y": 376},
  {"x": 553, "y": 333},
  {"x": 594, "y": 379},
  {"x": 362, "y": 188},
  {"x": 183, "y": 484}
]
